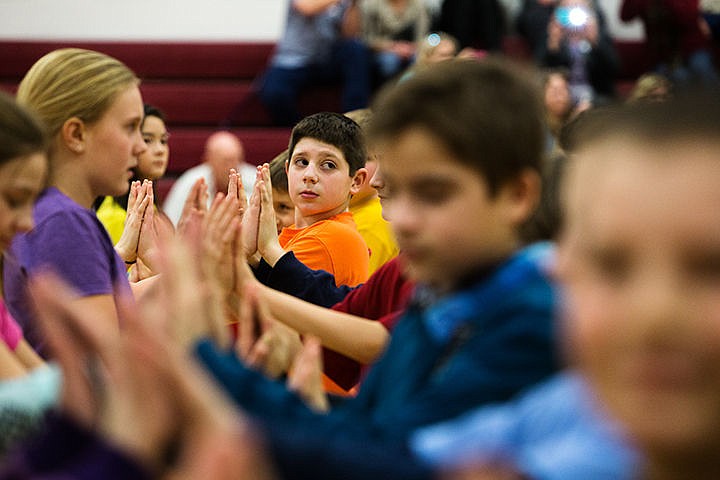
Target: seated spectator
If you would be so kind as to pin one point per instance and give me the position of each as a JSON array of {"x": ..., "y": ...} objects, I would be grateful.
[
  {"x": 435, "y": 48},
  {"x": 631, "y": 183},
  {"x": 431, "y": 368},
  {"x": 367, "y": 211},
  {"x": 152, "y": 164},
  {"x": 223, "y": 151},
  {"x": 677, "y": 39},
  {"x": 92, "y": 108},
  {"x": 710, "y": 11},
  {"x": 392, "y": 29},
  {"x": 282, "y": 203},
  {"x": 578, "y": 40},
  {"x": 650, "y": 87},
  {"x": 325, "y": 167},
  {"x": 320, "y": 45},
  {"x": 559, "y": 105},
  {"x": 477, "y": 24},
  {"x": 27, "y": 386},
  {"x": 532, "y": 24}
]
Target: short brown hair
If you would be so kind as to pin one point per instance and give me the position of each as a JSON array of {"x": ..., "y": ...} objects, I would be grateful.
[
  {"x": 334, "y": 129},
  {"x": 488, "y": 113},
  {"x": 278, "y": 175},
  {"x": 21, "y": 134}
]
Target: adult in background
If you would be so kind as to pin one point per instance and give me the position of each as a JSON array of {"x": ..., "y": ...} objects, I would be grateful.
[
  {"x": 677, "y": 38},
  {"x": 320, "y": 45},
  {"x": 91, "y": 106},
  {"x": 578, "y": 40},
  {"x": 223, "y": 151},
  {"x": 393, "y": 29}
]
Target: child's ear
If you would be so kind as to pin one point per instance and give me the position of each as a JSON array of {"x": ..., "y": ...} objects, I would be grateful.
[
  {"x": 522, "y": 195},
  {"x": 73, "y": 134},
  {"x": 358, "y": 180}
]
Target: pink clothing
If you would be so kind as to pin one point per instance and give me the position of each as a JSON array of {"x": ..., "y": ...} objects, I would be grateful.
[{"x": 10, "y": 331}]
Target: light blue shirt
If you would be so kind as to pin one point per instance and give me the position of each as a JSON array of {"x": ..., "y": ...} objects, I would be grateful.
[
  {"x": 554, "y": 431},
  {"x": 309, "y": 39}
]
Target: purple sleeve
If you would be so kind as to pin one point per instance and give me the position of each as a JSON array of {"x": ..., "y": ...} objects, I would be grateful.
[
  {"x": 65, "y": 450},
  {"x": 72, "y": 244},
  {"x": 10, "y": 331}
]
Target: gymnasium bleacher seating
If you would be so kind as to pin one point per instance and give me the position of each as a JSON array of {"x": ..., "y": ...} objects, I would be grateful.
[
  {"x": 205, "y": 86},
  {"x": 201, "y": 87}
]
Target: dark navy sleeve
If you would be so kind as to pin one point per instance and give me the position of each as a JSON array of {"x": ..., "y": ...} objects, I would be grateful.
[
  {"x": 291, "y": 276},
  {"x": 267, "y": 400},
  {"x": 301, "y": 454}
]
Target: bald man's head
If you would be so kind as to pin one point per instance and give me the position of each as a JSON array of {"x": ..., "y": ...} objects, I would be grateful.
[{"x": 223, "y": 151}]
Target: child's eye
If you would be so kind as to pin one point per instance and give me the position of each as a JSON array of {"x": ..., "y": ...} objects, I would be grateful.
[
  {"x": 148, "y": 140},
  {"x": 285, "y": 208},
  {"x": 328, "y": 165},
  {"x": 435, "y": 195},
  {"x": 16, "y": 202},
  {"x": 610, "y": 265},
  {"x": 706, "y": 267},
  {"x": 300, "y": 162}
]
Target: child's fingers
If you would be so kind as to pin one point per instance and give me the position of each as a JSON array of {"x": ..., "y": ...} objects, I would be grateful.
[
  {"x": 247, "y": 322},
  {"x": 232, "y": 190},
  {"x": 260, "y": 351},
  {"x": 70, "y": 346}
]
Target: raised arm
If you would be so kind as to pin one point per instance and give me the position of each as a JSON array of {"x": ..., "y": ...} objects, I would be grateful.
[
  {"x": 361, "y": 339},
  {"x": 313, "y": 7}
]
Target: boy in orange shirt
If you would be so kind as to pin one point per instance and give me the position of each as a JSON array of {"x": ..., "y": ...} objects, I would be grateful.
[{"x": 325, "y": 167}]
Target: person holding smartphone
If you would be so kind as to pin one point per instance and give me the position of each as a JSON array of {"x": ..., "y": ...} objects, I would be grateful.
[{"x": 577, "y": 39}]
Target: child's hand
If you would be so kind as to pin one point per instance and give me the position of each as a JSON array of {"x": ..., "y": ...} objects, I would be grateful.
[
  {"x": 139, "y": 272},
  {"x": 194, "y": 209},
  {"x": 237, "y": 190},
  {"x": 274, "y": 351},
  {"x": 148, "y": 239},
  {"x": 250, "y": 221},
  {"x": 267, "y": 239},
  {"x": 305, "y": 377},
  {"x": 218, "y": 240},
  {"x": 127, "y": 246},
  {"x": 188, "y": 306},
  {"x": 106, "y": 384}
]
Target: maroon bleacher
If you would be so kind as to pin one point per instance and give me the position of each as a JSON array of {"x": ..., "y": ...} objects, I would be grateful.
[
  {"x": 206, "y": 86},
  {"x": 200, "y": 86}
]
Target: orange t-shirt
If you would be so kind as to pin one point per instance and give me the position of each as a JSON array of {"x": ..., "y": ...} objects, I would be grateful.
[{"x": 333, "y": 245}]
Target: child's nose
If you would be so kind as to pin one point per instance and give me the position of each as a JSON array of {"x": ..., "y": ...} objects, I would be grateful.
[{"x": 310, "y": 175}]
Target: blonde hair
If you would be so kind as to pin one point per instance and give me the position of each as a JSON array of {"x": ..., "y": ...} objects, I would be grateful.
[
  {"x": 73, "y": 82},
  {"x": 650, "y": 86},
  {"x": 430, "y": 43}
]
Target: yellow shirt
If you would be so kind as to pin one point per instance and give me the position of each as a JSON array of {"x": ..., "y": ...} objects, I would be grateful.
[
  {"x": 376, "y": 231},
  {"x": 112, "y": 215}
]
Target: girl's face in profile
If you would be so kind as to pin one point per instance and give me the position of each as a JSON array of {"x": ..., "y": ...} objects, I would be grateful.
[
  {"x": 640, "y": 259},
  {"x": 153, "y": 162},
  {"x": 114, "y": 144},
  {"x": 21, "y": 180}
]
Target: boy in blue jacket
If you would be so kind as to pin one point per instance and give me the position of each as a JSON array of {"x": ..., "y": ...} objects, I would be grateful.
[{"x": 460, "y": 147}]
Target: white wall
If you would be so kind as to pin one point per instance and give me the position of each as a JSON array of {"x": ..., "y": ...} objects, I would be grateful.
[{"x": 196, "y": 20}]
